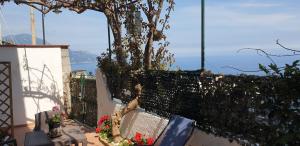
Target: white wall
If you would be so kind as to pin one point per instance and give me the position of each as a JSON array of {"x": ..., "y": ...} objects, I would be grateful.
[
  {"x": 147, "y": 123},
  {"x": 37, "y": 83}
]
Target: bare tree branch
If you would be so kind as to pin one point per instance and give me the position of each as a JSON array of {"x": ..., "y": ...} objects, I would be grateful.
[
  {"x": 262, "y": 52},
  {"x": 78, "y": 6},
  {"x": 258, "y": 51},
  {"x": 282, "y": 46}
]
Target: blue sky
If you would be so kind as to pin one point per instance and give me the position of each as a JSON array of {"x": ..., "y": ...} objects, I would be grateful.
[{"x": 230, "y": 25}]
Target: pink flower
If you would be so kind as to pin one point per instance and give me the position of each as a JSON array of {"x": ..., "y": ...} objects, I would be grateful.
[{"x": 56, "y": 108}]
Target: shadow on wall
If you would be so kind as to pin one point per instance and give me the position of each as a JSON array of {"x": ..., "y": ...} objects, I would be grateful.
[
  {"x": 36, "y": 83},
  {"x": 39, "y": 86},
  {"x": 36, "y": 88}
]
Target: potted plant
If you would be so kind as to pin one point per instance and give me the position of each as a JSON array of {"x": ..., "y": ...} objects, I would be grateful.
[
  {"x": 55, "y": 123},
  {"x": 104, "y": 129}
]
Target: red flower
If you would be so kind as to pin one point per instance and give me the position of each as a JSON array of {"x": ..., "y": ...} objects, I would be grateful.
[
  {"x": 107, "y": 126},
  {"x": 150, "y": 141},
  {"x": 102, "y": 119},
  {"x": 98, "y": 130},
  {"x": 138, "y": 137}
]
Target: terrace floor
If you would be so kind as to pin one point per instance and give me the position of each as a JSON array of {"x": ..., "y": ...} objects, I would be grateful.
[{"x": 21, "y": 130}]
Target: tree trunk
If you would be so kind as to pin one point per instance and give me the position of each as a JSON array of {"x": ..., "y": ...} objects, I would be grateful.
[
  {"x": 148, "y": 50},
  {"x": 117, "y": 116},
  {"x": 117, "y": 33}
]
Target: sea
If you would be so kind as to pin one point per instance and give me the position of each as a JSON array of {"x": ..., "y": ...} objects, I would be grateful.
[{"x": 217, "y": 64}]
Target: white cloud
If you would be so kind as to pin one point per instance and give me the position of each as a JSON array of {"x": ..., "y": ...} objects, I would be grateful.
[{"x": 259, "y": 5}]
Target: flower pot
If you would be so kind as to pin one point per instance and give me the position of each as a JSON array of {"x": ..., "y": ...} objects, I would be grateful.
[
  {"x": 54, "y": 130},
  {"x": 53, "y": 125}
]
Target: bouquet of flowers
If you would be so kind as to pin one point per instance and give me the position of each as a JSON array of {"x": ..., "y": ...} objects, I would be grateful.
[
  {"x": 55, "y": 123},
  {"x": 104, "y": 128}
]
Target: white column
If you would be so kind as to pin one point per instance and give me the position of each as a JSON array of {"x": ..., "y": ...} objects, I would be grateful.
[{"x": 32, "y": 20}]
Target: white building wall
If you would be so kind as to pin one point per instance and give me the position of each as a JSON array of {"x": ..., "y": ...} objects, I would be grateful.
[{"x": 37, "y": 83}]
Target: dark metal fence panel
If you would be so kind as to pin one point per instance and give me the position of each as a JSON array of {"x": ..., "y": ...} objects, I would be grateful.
[
  {"x": 84, "y": 105},
  {"x": 6, "y": 101}
]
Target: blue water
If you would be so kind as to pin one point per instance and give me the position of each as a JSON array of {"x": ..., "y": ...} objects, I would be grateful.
[
  {"x": 217, "y": 64},
  {"x": 89, "y": 67}
]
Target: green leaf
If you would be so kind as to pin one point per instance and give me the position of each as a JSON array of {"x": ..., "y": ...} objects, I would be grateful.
[
  {"x": 275, "y": 68},
  {"x": 296, "y": 63},
  {"x": 263, "y": 68}
]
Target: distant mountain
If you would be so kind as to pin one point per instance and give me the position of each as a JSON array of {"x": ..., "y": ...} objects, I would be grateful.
[
  {"x": 76, "y": 57},
  {"x": 22, "y": 39},
  {"x": 81, "y": 57}
]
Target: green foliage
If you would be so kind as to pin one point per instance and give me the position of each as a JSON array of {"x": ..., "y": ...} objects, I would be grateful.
[
  {"x": 55, "y": 119},
  {"x": 126, "y": 143},
  {"x": 144, "y": 39},
  {"x": 263, "y": 68},
  {"x": 288, "y": 71}
]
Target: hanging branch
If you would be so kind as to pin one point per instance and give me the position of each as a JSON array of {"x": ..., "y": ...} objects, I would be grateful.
[
  {"x": 273, "y": 66},
  {"x": 258, "y": 51},
  {"x": 282, "y": 46},
  {"x": 78, "y": 6}
]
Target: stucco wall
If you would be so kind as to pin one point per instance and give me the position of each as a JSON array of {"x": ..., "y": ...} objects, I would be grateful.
[{"x": 37, "y": 83}]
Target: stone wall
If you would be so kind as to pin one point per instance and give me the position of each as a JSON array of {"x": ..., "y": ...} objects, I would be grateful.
[{"x": 66, "y": 72}]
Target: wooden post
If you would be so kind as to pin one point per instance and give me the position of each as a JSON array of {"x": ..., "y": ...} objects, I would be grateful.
[{"x": 32, "y": 20}]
